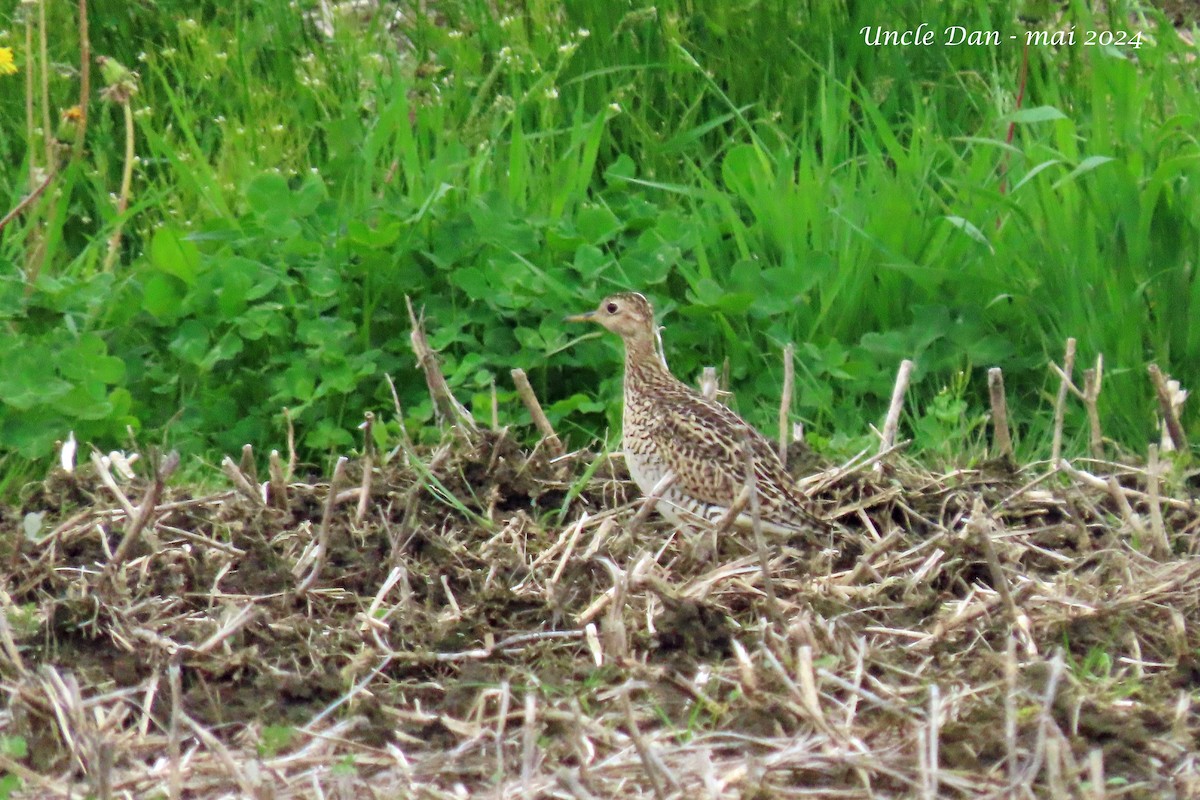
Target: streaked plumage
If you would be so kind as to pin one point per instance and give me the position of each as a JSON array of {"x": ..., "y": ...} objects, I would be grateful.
[{"x": 669, "y": 425}]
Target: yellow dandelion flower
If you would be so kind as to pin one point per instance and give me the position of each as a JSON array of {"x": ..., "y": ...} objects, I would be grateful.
[{"x": 7, "y": 65}]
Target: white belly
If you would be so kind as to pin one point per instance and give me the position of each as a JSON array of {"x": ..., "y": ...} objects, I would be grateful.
[{"x": 646, "y": 473}]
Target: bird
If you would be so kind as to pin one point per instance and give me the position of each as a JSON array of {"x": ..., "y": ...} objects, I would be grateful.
[{"x": 669, "y": 426}]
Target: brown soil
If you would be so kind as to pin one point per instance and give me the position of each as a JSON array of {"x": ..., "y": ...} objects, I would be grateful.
[{"x": 978, "y": 633}]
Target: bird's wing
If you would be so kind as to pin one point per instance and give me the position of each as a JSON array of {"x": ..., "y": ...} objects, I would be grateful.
[{"x": 702, "y": 441}]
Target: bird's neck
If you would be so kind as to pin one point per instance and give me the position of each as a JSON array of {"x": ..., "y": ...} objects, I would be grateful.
[{"x": 643, "y": 362}]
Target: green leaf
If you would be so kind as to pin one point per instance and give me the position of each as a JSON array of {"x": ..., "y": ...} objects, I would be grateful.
[
  {"x": 1085, "y": 166},
  {"x": 226, "y": 348},
  {"x": 970, "y": 230},
  {"x": 746, "y": 171},
  {"x": 268, "y": 195},
  {"x": 304, "y": 201},
  {"x": 162, "y": 297},
  {"x": 233, "y": 291},
  {"x": 171, "y": 253},
  {"x": 472, "y": 281},
  {"x": 14, "y": 746},
  {"x": 29, "y": 380},
  {"x": 190, "y": 342},
  {"x": 88, "y": 359},
  {"x": 1038, "y": 114},
  {"x": 597, "y": 224},
  {"x": 620, "y": 170}
]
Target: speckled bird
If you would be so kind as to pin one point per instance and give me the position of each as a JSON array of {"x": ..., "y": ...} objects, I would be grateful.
[{"x": 670, "y": 426}]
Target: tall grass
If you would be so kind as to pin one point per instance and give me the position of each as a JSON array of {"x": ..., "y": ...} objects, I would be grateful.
[{"x": 757, "y": 168}]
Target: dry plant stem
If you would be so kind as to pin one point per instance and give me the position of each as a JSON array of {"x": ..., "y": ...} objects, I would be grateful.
[
  {"x": 85, "y": 81},
  {"x": 30, "y": 73},
  {"x": 1167, "y": 408},
  {"x": 107, "y": 479},
  {"x": 495, "y": 408},
  {"x": 1093, "y": 380},
  {"x": 146, "y": 511},
  {"x": 247, "y": 465},
  {"x": 1160, "y": 543},
  {"x": 982, "y": 526},
  {"x": 729, "y": 518},
  {"x": 368, "y": 459},
  {"x": 525, "y": 390},
  {"x": 1118, "y": 495},
  {"x": 764, "y": 556},
  {"x": 1003, "y": 440},
  {"x": 1010, "y": 710},
  {"x": 892, "y": 421},
  {"x": 785, "y": 402},
  {"x": 1045, "y": 720},
  {"x": 291, "y": 444},
  {"x": 650, "y": 501},
  {"x": 1096, "y": 773},
  {"x": 1060, "y": 401},
  {"x": 643, "y": 749},
  {"x": 446, "y": 406},
  {"x": 9, "y": 645},
  {"x": 931, "y": 742},
  {"x": 323, "y": 533},
  {"x": 708, "y": 382},
  {"x": 174, "y": 736},
  {"x": 47, "y": 129},
  {"x": 279, "y": 490},
  {"x": 114, "y": 243},
  {"x": 501, "y": 723},
  {"x": 241, "y": 482},
  {"x": 24, "y": 204},
  {"x": 529, "y": 743}
]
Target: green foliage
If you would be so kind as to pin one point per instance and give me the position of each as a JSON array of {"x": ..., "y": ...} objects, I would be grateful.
[
  {"x": 757, "y": 168},
  {"x": 13, "y": 747},
  {"x": 274, "y": 739}
]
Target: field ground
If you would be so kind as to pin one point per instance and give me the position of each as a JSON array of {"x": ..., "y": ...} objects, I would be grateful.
[
  {"x": 240, "y": 235},
  {"x": 987, "y": 632}
]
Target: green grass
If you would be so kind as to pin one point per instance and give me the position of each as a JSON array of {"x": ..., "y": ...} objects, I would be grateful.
[{"x": 755, "y": 167}]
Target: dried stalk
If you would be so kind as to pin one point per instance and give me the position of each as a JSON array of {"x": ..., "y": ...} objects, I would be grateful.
[
  {"x": 323, "y": 534},
  {"x": 525, "y": 390},
  {"x": 708, "y": 382},
  {"x": 1160, "y": 544},
  {"x": 529, "y": 743},
  {"x": 247, "y": 465},
  {"x": 278, "y": 484},
  {"x": 892, "y": 421},
  {"x": 1093, "y": 380},
  {"x": 1060, "y": 401},
  {"x": 174, "y": 735},
  {"x": 368, "y": 468},
  {"x": 446, "y": 406},
  {"x": 241, "y": 482},
  {"x": 649, "y": 763},
  {"x": 760, "y": 544},
  {"x": 291, "y": 444},
  {"x": 146, "y": 511},
  {"x": 110, "y": 483},
  {"x": 1166, "y": 407},
  {"x": 1003, "y": 440},
  {"x": 785, "y": 402},
  {"x": 650, "y": 501}
]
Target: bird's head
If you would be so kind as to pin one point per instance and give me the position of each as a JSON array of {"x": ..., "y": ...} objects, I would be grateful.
[{"x": 627, "y": 314}]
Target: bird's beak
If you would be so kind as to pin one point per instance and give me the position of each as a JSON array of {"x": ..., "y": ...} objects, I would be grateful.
[{"x": 590, "y": 316}]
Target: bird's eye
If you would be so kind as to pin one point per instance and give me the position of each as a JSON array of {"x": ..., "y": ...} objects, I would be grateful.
[{"x": 611, "y": 308}]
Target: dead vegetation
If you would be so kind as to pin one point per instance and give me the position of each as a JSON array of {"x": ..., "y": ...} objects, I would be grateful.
[
  {"x": 494, "y": 624},
  {"x": 477, "y": 618}
]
